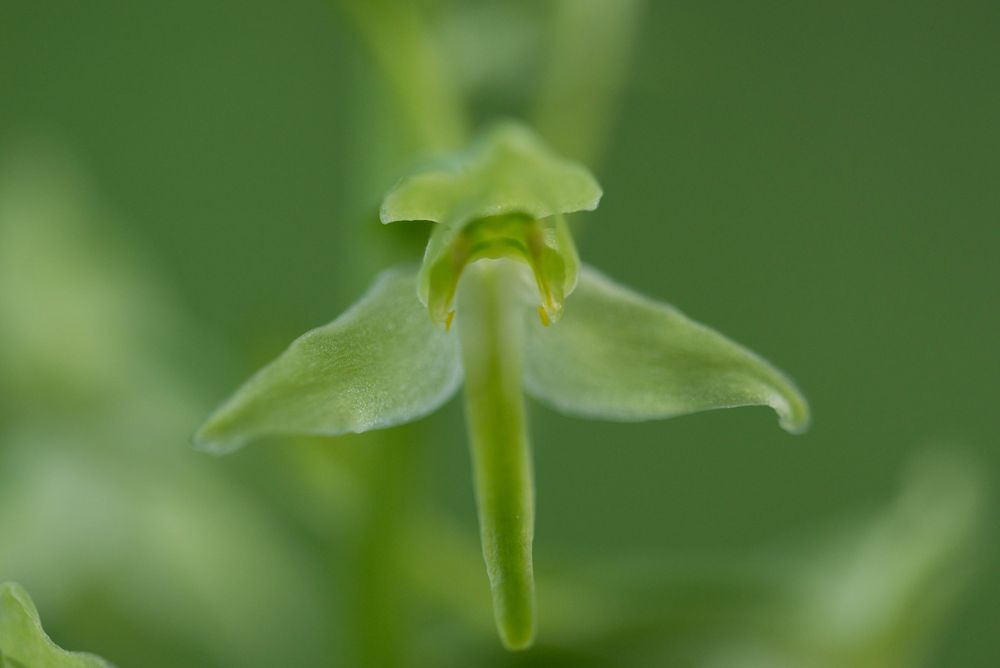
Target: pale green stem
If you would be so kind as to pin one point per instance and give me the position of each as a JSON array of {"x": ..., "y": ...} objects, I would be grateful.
[
  {"x": 489, "y": 328},
  {"x": 428, "y": 97},
  {"x": 430, "y": 105},
  {"x": 380, "y": 614},
  {"x": 590, "y": 46}
]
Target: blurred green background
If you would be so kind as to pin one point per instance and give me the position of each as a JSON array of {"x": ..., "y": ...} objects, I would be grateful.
[{"x": 187, "y": 186}]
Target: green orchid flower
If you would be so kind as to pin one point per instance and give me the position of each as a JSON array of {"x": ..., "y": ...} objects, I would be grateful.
[{"x": 511, "y": 311}]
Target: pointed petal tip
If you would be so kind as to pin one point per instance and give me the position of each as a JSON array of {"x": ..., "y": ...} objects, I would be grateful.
[
  {"x": 204, "y": 440},
  {"x": 794, "y": 414},
  {"x": 385, "y": 214},
  {"x": 596, "y": 201}
]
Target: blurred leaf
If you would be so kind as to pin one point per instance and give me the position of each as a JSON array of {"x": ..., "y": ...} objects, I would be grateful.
[
  {"x": 589, "y": 48},
  {"x": 877, "y": 596},
  {"x": 618, "y": 355},
  {"x": 23, "y": 643},
  {"x": 427, "y": 97},
  {"x": 380, "y": 364},
  {"x": 94, "y": 418},
  {"x": 495, "y": 48},
  {"x": 65, "y": 328}
]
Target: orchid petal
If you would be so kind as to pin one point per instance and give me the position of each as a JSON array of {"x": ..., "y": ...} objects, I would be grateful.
[
  {"x": 618, "y": 355},
  {"x": 380, "y": 364}
]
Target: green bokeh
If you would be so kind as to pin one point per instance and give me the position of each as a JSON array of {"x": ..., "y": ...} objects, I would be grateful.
[{"x": 819, "y": 181}]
